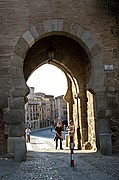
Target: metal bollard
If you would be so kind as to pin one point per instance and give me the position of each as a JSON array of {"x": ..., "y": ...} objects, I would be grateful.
[{"x": 72, "y": 153}]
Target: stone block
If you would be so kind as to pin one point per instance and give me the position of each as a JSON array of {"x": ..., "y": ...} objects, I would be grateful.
[
  {"x": 60, "y": 24},
  {"x": 10, "y": 145},
  {"x": 16, "y": 73},
  {"x": 112, "y": 104},
  {"x": 23, "y": 43},
  {"x": 95, "y": 50},
  {"x": 108, "y": 113},
  {"x": 101, "y": 103},
  {"x": 47, "y": 26},
  {"x": 20, "y": 150},
  {"x": 102, "y": 125},
  {"x": 101, "y": 113},
  {"x": 14, "y": 116},
  {"x": 5, "y": 61},
  {"x": 5, "y": 72},
  {"x": 19, "y": 83},
  {"x": 106, "y": 144},
  {"x": 17, "y": 148},
  {"x": 16, "y": 61},
  {"x": 85, "y": 35},
  {"x": 112, "y": 91},
  {"x": 34, "y": 32},
  {"x": 90, "y": 42},
  {"x": 115, "y": 53},
  {"x": 19, "y": 51},
  {"x": 28, "y": 37},
  {"x": 97, "y": 88},
  {"x": 16, "y": 102},
  {"x": 73, "y": 29},
  {"x": 66, "y": 26},
  {"x": 20, "y": 92},
  {"x": 39, "y": 28},
  {"x": 5, "y": 85},
  {"x": 80, "y": 31},
  {"x": 3, "y": 101},
  {"x": 17, "y": 130},
  {"x": 54, "y": 24}
]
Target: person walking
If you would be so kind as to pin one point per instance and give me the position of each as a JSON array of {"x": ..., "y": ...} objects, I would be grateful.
[{"x": 58, "y": 132}]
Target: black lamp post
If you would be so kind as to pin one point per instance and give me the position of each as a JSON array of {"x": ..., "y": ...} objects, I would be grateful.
[{"x": 51, "y": 53}]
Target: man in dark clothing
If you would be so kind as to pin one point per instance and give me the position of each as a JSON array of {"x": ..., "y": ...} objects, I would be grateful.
[{"x": 58, "y": 131}]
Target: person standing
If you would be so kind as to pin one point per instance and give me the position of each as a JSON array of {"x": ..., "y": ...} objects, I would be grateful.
[
  {"x": 71, "y": 130},
  {"x": 51, "y": 128},
  {"x": 58, "y": 132},
  {"x": 27, "y": 132}
]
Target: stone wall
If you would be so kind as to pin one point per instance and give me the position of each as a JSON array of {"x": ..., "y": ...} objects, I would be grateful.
[
  {"x": 3, "y": 137},
  {"x": 114, "y": 130},
  {"x": 91, "y": 120}
]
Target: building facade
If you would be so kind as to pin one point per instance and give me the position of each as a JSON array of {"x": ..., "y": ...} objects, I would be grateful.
[
  {"x": 61, "y": 110},
  {"x": 43, "y": 110}
]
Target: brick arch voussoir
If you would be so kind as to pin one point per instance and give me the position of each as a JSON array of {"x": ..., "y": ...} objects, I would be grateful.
[
  {"x": 42, "y": 29},
  {"x": 73, "y": 30}
]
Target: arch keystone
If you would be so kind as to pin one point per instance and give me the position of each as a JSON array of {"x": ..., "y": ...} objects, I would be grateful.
[
  {"x": 60, "y": 24},
  {"x": 47, "y": 26},
  {"x": 54, "y": 26}
]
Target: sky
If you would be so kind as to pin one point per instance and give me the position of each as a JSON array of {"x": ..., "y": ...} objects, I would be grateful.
[{"x": 48, "y": 79}]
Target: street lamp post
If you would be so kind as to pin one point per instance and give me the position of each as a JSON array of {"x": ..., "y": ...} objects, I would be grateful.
[{"x": 51, "y": 53}]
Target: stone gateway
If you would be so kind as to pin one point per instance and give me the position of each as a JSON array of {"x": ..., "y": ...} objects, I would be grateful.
[{"x": 85, "y": 36}]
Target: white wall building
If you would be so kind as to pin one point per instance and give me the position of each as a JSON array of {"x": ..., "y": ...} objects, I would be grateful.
[
  {"x": 61, "y": 109},
  {"x": 42, "y": 110}
]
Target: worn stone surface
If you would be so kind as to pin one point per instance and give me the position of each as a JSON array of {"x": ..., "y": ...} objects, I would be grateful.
[
  {"x": 43, "y": 165},
  {"x": 14, "y": 116},
  {"x": 16, "y": 103},
  {"x": 20, "y": 150}
]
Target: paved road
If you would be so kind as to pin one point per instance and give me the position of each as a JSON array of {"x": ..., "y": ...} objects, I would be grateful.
[
  {"x": 46, "y": 163},
  {"x": 44, "y": 139}
]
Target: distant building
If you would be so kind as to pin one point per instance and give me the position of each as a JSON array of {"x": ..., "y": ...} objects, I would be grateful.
[
  {"x": 43, "y": 110},
  {"x": 40, "y": 110},
  {"x": 31, "y": 111},
  {"x": 61, "y": 109}
]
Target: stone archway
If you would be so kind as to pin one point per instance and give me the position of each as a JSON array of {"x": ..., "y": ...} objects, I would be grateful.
[{"x": 55, "y": 27}]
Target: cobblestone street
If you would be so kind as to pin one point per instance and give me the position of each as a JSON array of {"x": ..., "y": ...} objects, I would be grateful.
[{"x": 55, "y": 165}]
